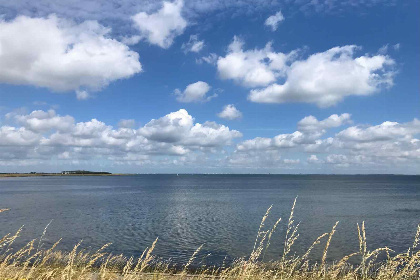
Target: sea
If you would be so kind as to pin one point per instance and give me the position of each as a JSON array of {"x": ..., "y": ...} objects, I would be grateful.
[{"x": 220, "y": 212}]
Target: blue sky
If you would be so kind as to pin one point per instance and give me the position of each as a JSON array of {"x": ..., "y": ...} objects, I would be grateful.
[{"x": 210, "y": 86}]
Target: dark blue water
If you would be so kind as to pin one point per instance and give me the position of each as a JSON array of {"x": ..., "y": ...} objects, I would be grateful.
[{"x": 222, "y": 212}]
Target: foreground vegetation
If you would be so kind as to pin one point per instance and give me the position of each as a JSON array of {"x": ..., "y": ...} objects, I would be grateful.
[{"x": 34, "y": 262}]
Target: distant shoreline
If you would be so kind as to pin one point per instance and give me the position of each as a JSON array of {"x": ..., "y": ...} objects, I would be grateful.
[
  {"x": 9, "y": 175},
  {"x": 4, "y": 175}
]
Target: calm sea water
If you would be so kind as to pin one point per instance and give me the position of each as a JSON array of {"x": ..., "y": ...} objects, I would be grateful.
[{"x": 223, "y": 212}]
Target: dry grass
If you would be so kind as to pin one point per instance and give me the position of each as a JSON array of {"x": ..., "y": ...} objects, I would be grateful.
[{"x": 33, "y": 262}]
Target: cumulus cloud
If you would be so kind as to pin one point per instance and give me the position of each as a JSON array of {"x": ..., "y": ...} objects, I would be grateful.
[
  {"x": 45, "y": 135},
  {"x": 179, "y": 127},
  {"x": 193, "y": 45},
  {"x": 252, "y": 68},
  {"x": 61, "y": 55},
  {"x": 324, "y": 78},
  {"x": 385, "y": 131},
  {"x": 388, "y": 145},
  {"x": 41, "y": 121},
  {"x": 210, "y": 134},
  {"x": 161, "y": 28},
  {"x": 310, "y": 123},
  {"x": 309, "y": 131},
  {"x": 176, "y": 139},
  {"x": 274, "y": 20},
  {"x": 11, "y": 136},
  {"x": 170, "y": 128},
  {"x": 230, "y": 112},
  {"x": 196, "y": 92},
  {"x": 278, "y": 142},
  {"x": 327, "y": 78}
]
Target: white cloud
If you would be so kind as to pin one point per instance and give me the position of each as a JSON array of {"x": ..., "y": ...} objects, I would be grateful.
[
  {"x": 210, "y": 59},
  {"x": 176, "y": 139},
  {"x": 385, "y": 131},
  {"x": 310, "y": 129},
  {"x": 41, "y": 121},
  {"x": 195, "y": 92},
  {"x": 12, "y": 136},
  {"x": 327, "y": 78},
  {"x": 61, "y": 55},
  {"x": 193, "y": 45},
  {"x": 210, "y": 134},
  {"x": 45, "y": 136},
  {"x": 252, "y": 68},
  {"x": 310, "y": 123},
  {"x": 230, "y": 112},
  {"x": 278, "y": 142},
  {"x": 161, "y": 28},
  {"x": 274, "y": 20},
  {"x": 179, "y": 127},
  {"x": 82, "y": 95},
  {"x": 337, "y": 159},
  {"x": 324, "y": 78},
  {"x": 380, "y": 148},
  {"x": 313, "y": 159},
  {"x": 170, "y": 128}
]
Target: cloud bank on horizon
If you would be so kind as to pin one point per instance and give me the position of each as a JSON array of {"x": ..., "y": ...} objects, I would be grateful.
[
  {"x": 286, "y": 99},
  {"x": 43, "y": 137}
]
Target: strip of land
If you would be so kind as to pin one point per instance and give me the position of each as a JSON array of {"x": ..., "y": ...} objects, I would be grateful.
[{"x": 3, "y": 175}]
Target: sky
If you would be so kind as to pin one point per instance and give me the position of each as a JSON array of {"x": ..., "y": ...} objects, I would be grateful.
[{"x": 270, "y": 86}]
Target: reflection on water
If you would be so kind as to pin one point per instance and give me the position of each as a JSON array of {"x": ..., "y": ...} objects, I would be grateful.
[{"x": 222, "y": 212}]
